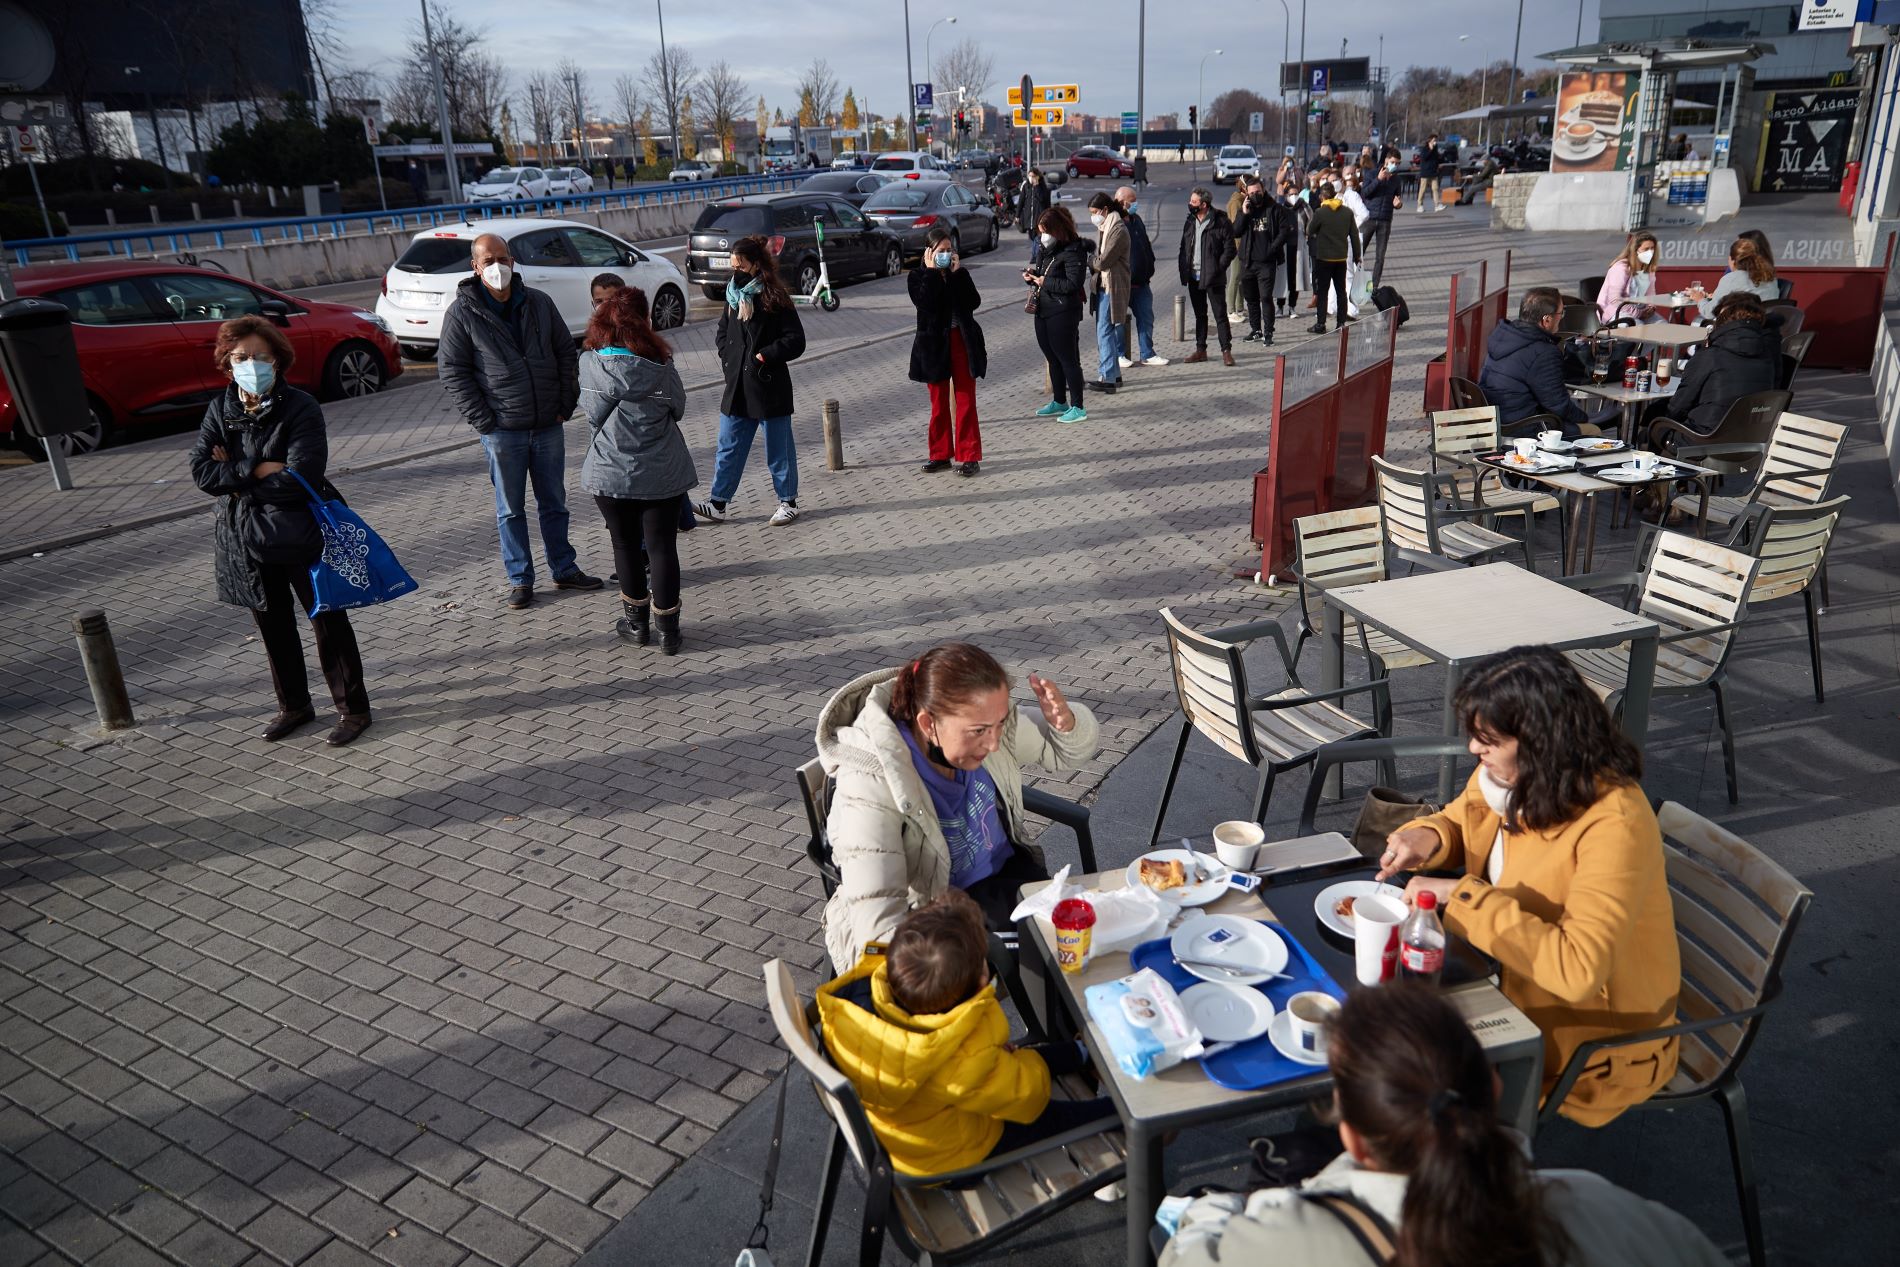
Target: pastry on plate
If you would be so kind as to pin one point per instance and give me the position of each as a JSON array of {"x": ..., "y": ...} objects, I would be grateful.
[{"x": 1163, "y": 874}]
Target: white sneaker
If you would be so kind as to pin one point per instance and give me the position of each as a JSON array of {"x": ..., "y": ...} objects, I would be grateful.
[
  {"x": 1238, "y": 314},
  {"x": 709, "y": 512},
  {"x": 1124, "y": 362},
  {"x": 1440, "y": 207},
  {"x": 1155, "y": 360},
  {"x": 785, "y": 513},
  {"x": 1111, "y": 1193}
]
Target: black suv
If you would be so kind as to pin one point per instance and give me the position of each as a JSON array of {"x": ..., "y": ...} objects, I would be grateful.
[{"x": 789, "y": 221}]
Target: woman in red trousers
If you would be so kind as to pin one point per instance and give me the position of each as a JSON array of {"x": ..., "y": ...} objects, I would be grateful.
[{"x": 947, "y": 353}]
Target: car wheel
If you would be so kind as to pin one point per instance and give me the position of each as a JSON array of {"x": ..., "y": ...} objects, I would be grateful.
[
  {"x": 416, "y": 352},
  {"x": 92, "y": 436},
  {"x": 715, "y": 293},
  {"x": 956, "y": 244},
  {"x": 893, "y": 261},
  {"x": 669, "y": 309},
  {"x": 996, "y": 235},
  {"x": 807, "y": 277},
  {"x": 1072, "y": 172},
  {"x": 353, "y": 370}
]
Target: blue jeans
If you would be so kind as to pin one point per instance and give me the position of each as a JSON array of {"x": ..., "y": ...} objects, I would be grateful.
[
  {"x": 735, "y": 442},
  {"x": 1141, "y": 307},
  {"x": 514, "y": 459},
  {"x": 1108, "y": 341}
]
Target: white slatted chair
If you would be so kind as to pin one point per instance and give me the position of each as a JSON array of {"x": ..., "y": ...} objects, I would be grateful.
[
  {"x": 1272, "y": 733},
  {"x": 1345, "y": 547},
  {"x": 1457, "y": 435},
  {"x": 1005, "y": 1195},
  {"x": 1799, "y": 466},
  {"x": 1736, "y": 912},
  {"x": 1697, "y": 592},
  {"x": 1791, "y": 543},
  {"x": 1421, "y": 531}
]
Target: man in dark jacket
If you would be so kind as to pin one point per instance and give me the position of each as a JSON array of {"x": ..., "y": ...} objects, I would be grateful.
[
  {"x": 511, "y": 367},
  {"x": 1030, "y": 204},
  {"x": 1523, "y": 371},
  {"x": 1141, "y": 275},
  {"x": 1260, "y": 236},
  {"x": 1207, "y": 252},
  {"x": 1742, "y": 356},
  {"x": 1381, "y": 195}
]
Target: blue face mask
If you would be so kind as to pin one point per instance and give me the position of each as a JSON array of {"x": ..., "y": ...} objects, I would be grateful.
[
  {"x": 943, "y": 259},
  {"x": 1134, "y": 206},
  {"x": 254, "y": 377}
]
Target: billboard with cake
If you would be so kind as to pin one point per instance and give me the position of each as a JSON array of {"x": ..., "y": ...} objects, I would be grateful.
[{"x": 1595, "y": 129}]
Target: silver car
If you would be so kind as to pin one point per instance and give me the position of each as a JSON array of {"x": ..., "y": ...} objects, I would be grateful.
[{"x": 912, "y": 208}]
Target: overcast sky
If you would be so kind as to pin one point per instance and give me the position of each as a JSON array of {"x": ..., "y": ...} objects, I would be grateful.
[{"x": 770, "y": 41}]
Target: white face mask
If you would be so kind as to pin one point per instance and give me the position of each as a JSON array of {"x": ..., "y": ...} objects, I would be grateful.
[
  {"x": 1048, "y": 239},
  {"x": 1096, "y": 221},
  {"x": 497, "y": 276},
  {"x": 1645, "y": 255}
]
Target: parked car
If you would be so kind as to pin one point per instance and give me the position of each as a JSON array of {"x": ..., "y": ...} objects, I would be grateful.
[
  {"x": 1099, "y": 160},
  {"x": 910, "y": 164},
  {"x": 145, "y": 333},
  {"x": 1235, "y": 161},
  {"x": 508, "y": 184},
  {"x": 911, "y": 210},
  {"x": 788, "y": 222},
  {"x": 569, "y": 180},
  {"x": 561, "y": 257},
  {"x": 853, "y": 187},
  {"x": 853, "y": 160},
  {"x": 690, "y": 169}
]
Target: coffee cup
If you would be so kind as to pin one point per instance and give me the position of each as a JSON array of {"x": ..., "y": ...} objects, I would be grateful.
[
  {"x": 1550, "y": 439},
  {"x": 1308, "y": 1013},
  {"x": 1375, "y": 928},
  {"x": 1644, "y": 461},
  {"x": 1579, "y": 133},
  {"x": 1526, "y": 446},
  {"x": 1237, "y": 842}
]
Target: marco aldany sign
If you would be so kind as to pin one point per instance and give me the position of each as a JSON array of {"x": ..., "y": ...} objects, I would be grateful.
[{"x": 1804, "y": 140}]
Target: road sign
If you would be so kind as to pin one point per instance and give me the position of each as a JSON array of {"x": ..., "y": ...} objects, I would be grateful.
[
  {"x": 920, "y": 96},
  {"x": 1047, "y": 95},
  {"x": 1320, "y": 77},
  {"x": 1256, "y": 121},
  {"x": 23, "y": 141},
  {"x": 923, "y": 118},
  {"x": 1044, "y": 117},
  {"x": 369, "y": 130},
  {"x": 1131, "y": 122},
  {"x": 1347, "y": 74}
]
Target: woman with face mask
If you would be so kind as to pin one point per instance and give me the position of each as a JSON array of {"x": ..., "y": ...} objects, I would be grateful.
[
  {"x": 1059, "y": 279},
  {"x": 947, "y": 353},
  {"x": 1109, "y": 284},
  {"x": 257, "y": 437},
  {"x": 1632, "y": 275}
]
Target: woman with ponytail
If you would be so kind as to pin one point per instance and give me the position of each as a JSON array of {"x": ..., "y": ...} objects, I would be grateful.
[
  {"x": 927, "y": 763},
  {"x": 1429, "y": 1174},
  {"x": 1750, "y": 272}
]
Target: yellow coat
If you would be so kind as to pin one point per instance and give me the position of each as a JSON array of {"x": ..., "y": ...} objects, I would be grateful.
[
  {"x": 936, "y": 1088},
  {"x": 1582, "y": 924}
]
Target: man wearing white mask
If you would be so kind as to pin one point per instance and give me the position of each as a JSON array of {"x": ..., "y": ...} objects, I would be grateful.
[{"x": 511, "y": 367}]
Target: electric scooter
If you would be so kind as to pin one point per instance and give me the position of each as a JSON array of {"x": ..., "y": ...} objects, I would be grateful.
[{"x": 821, "y": 292}]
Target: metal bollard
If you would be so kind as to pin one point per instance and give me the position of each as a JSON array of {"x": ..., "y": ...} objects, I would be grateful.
[
  {"x": 834, "y": 438},
  {"x": 1128, "y": 335},
  {"x": 101, "y": 659},
  {"x": 1180, "y": 318}
]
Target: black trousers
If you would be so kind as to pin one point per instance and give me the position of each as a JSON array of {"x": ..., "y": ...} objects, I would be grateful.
[
  {"x": 1198, "y": 296},
  {"x": 1291, "y": 262},
  {"x": 1256, "y": 287},
  {"x": 1374, "y": 238},
  {"x": 1330, "y": 274},
  {"x": 288, "y": 596},
  {"x": 632, "y": 525},
  {"x": 1060, "y": 338}
]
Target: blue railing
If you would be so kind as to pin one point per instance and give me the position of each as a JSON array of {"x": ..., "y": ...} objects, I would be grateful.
[{"x": 127, "y": 242}]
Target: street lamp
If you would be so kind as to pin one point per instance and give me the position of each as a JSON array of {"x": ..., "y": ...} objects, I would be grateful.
[
  {"x": 1484, "y": 94},
  {"x": 1517, "y": 45},
  {"x": 927, "y": 69},
  {"x": 1200, "y": 92},
  {"x": 1286, "y": 48}
]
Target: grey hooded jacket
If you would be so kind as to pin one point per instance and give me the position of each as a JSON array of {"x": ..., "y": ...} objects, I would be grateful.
[{"x": 633, "y": 407}]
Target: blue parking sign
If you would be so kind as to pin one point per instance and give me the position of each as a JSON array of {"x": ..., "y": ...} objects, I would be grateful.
[
  {"x": 1322, "y": 79},
  {"x": 922, "y": 91}
]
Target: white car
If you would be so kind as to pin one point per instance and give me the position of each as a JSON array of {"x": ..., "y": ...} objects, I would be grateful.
[
  {"x": 561, "y": 257},
  {"x": 690, "y": 169},
  {"x": 910, "y": 164},
  {"x": 508, "y": 184},
  {"x": 569, "y": 180},
  {"x": 1235, "y": 161}
]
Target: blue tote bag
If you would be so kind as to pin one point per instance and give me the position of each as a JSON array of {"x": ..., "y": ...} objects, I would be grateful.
[{"x": 356, "y": 568}]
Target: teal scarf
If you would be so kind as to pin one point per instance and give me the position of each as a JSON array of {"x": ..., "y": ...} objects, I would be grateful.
[{"x": 739, "y": 298}]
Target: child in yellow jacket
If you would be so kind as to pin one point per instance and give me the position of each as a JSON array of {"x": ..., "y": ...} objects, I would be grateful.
[{"x": 920, "y": 1033}]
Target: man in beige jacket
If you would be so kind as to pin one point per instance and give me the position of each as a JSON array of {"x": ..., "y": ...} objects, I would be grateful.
[{"x": 1110, "y": 284}]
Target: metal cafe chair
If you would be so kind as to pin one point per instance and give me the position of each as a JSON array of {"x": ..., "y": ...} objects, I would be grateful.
[
  {"x": 1736, "y": 444},
  {"x": 1796, "y": 470},
  {"x": 1421, "y": 531},
  {"x": 1345, "y": 547},
  {"x": 1791, "y": 542}
]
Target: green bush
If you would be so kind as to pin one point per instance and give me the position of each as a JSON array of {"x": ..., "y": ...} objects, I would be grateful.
[
  {"x": 68, "y": 176},
  {"x": 19, "y": 222}
]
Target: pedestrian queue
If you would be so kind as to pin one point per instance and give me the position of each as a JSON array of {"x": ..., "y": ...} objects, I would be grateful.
[{"x": 947, "y": 353}]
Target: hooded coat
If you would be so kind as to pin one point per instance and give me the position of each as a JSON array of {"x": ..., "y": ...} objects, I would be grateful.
[
  {"x": 946, "y": 300},
  {"x": 885, "y": 838},
  {"x": 633, "y": 407},
  {"x": 1739, "y": 357},
  {"x": 937, "y": 1089},
  {"x": 1523, "y": 374}
]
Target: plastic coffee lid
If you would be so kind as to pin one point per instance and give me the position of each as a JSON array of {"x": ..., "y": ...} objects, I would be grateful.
[{"x": 1073, "y": 912}]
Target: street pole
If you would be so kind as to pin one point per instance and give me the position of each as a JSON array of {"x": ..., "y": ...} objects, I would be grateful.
[
  {"x": 1200, "y": 93},
  {"x": 672, "y": 88},
  {"x": 1286, "y": 42},
  {"x": 1306, "y": 94},
  {"x": 1517, "y": 43},
  {"x": 910, "y": 86},
  {"x": 1141, "y": 75},
  {"x": 451, "y": 170}
]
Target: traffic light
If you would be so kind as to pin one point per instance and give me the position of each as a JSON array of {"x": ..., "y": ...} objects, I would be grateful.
[
  {"x": 1194, "y": 114},
  {"x": 959, "y": 120}
]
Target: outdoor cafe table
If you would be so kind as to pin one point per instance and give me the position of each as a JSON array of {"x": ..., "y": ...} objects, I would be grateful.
[
  {"x": 1464, "y": 614},
  {"x": 1662, "y": 334},
  {"x": 1184, "y": 1096},
  {"x": 1579, "y": 489},
  {"x": 1630, "y": 398}
]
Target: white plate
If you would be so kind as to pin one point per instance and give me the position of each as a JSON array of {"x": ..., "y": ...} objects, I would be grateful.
[
  {"x": 1245, "y": 943},
  {"x": 1562, "y": 446},
  {"x": 1226, "y": 1013},
  {"x": 1323, "y": 904},
  {"x": 1190, "y": 894},
  {"x": 1630, "y": 475},
  {"x": 1546, "y": 462},
  {"x": 1566, "y": 150},
  {"x": 1597, "y": 444},
  {"x": 1280, "y": 1030}
]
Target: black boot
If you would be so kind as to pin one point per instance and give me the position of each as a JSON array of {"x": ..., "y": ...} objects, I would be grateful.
[
  {"x": 632, "y": 625},
  {"x": 669, "y": 622}
]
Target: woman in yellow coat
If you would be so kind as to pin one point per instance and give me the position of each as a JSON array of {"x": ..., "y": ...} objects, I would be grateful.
[{"x": 1563, "y": 874}]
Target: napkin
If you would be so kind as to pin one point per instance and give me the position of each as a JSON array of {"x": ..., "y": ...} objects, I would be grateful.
[{"x": 1043, "y": 901}]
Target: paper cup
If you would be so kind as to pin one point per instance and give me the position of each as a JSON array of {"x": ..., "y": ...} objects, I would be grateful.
[
  {"x": 1375, "y": 928},
  {"x": 1526, "y": 446},
  {"x": 1308, "y": 1012},
  {"x": 1237, "y": 842},
  {"x": 1074, "y": 921}
]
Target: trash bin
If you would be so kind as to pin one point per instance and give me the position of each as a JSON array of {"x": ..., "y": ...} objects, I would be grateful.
[
  {"x": 41, "y": 365},
  {"x": 322, "y": 200}
]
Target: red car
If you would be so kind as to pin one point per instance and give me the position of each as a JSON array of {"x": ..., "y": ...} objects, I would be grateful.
[
  {"x": 1099, "y": 160},
  {"x": 145, "y": 334}
]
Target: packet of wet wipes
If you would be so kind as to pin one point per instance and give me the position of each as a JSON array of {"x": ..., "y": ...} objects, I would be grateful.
[{"x": 1141, "y": 1017}]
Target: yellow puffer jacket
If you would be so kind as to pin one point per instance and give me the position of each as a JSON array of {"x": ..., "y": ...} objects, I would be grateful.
[{"x": 936, "y": 1088}]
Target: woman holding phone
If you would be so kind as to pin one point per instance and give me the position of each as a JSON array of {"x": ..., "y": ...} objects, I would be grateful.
[{"x": 947, "y": 353}]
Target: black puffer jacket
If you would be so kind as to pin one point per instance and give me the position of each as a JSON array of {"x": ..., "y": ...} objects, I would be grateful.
[
  {"x": 754, "y": 388},
  {"x": 1065, "y": 270},
  {"x": 946, "y": 300},
  {"x": 1141, "y": 252},
  {"x": 1217, "y": 250},
  {"x": 499, "y": 383},
  {"x": 1261, "y": 234},
  {"x": 261, "y": 521},
  {"x": 1032, "y": 202},
  {"x": 1739, "y": 358},
  {"x": 1524, "y": 374}
]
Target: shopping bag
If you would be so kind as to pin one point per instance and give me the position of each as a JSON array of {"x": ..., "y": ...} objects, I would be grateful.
[{"x": 356, "y": 569}]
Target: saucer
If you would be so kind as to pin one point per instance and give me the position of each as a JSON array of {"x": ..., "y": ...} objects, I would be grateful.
[{"x": 1280, "y": 1031}]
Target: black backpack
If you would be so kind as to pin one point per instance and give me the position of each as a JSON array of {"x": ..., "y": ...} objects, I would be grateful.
[{"x": 1385, "y": 297}]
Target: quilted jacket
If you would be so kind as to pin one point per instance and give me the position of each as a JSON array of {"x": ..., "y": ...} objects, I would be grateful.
[{"x": 937, "y": 1089}]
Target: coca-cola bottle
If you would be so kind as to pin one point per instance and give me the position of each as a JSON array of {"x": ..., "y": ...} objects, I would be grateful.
[{"x": 1422, "y": 941}]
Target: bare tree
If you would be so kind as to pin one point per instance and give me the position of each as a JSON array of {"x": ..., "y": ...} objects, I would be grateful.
[
  {"x": 542, "y": 96},
  {"x": 485, "y": 93},
  {"x": 821, "y": 86},
  {"x": 668, "y": 80},
  {"x": 474, "y": 83},
  {"x": 571, "y": 81},
  {"x": 626, "y": 104},
  {"x": 965, "y": 65},
  {"x": 723, "y": 93}
]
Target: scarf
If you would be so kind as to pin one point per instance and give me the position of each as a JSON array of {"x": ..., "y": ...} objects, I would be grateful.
[
  {"x": 1497, "y": 796},
  {"x": 1334, "y": 203},
  {"x": 739, "y": 298}
]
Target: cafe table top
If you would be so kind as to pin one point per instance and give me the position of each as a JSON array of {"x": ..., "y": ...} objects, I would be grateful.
[
  {"x": 1625, "y": 395},
  {"x": 1581, "y": 480},
  {"x": 1661, "y": 333},
  {"x": 1668, "y": 299}
]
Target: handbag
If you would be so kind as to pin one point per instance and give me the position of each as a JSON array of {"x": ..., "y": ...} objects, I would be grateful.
[
  {"x": 356, "y": 568},
  {"x": 1029, "y": 304},
  {"x": 1384, "y": 812},
  {"x": 754, "y": 1253}
]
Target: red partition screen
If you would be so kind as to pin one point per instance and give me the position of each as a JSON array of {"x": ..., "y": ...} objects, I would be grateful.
[
  {"x": 1331, "y": 397},
  {"x": 1475, "y": 308}
]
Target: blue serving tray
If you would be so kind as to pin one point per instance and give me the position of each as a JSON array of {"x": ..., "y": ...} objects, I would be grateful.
[{"x": 1256, "y": 1063}]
